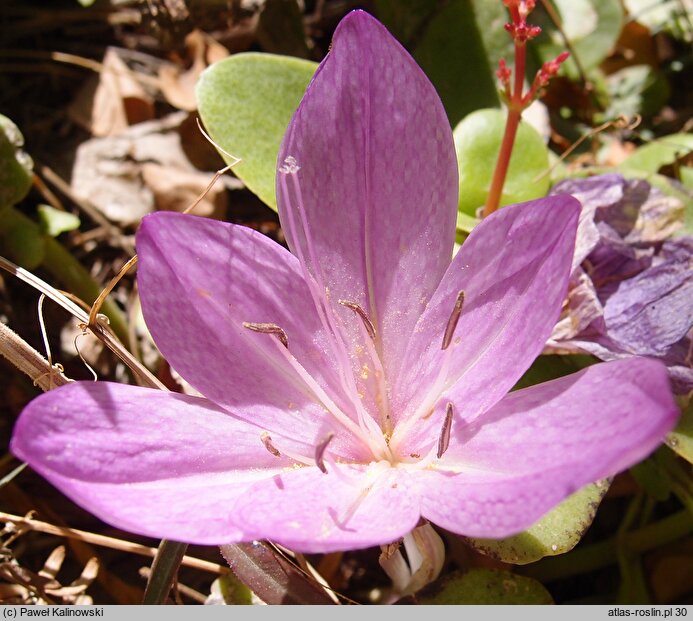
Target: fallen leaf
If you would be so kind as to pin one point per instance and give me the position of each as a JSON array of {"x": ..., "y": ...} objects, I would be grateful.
[
  {"x": 177, "y": 85},
  {"x": 112, "y": 100}
]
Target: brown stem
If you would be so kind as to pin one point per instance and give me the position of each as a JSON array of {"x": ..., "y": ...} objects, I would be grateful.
[{"x": 29, "y": 361}]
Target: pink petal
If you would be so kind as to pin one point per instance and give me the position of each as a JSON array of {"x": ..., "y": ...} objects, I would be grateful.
[
  {"x": 199, "y": 281},
  {"x": 309, "y": 511},
  {"x": 151, "y": 462},
  {"x": 514, "y": 271},
  {"x": 378, "y": 178},
  {"x": 506, "y": 469}
]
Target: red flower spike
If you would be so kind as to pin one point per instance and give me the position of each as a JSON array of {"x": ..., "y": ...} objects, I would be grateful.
[
  {"x": 504, "y": 74},
  {"x": 548, "y": 70}
]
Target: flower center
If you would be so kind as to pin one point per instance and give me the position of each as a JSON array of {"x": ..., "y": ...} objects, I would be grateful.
[
  {"x": 361, "y": 404},
  {"x": 360, "y": 372}
]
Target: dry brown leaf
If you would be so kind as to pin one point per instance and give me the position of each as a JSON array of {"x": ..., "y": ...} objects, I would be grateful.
[
  {"x": 144, "y": 168},
  {"x": 176, "y": 190},
  {"x": 113, "y": 100},
  {"x": 20, "y": 585},
  {"x": 177, "y": 85}
]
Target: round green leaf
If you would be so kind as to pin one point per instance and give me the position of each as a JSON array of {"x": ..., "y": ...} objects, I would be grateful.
[
  {"x": 477, "y": 142},
  {"x": 246, "y": 102},
  {"x": 486, "y": 586},
  {"x": 556, "y": 533},
  {"x": 55, "y": 221},
  {"x": 15, "y": 165}
]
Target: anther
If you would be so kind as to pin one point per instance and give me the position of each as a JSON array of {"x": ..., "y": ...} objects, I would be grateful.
[
  {"x": 290, "y": 166},
  {"x": 268, "y": 328},
  {"x": 320, "y": 452},
  {"x": 267, "y": 441},
  {"x": 452, "y": 322},
  {"x": 444, "y": 440},
  {"x": 370, "y": 328}
]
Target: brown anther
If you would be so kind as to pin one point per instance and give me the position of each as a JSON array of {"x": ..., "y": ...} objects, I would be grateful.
[
  {"x": 320, "y": 452},
  {"x": 268, "y": 328},
  {"x": 267, "y": 441},
  {"x": 370, "y": 328},
  {"x": 452, "y": 322},
  {"x": 415, "y": 455},
  {"x": 444, "y": 440}
]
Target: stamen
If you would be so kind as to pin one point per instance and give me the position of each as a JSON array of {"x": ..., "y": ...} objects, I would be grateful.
[
  {"x": 267, "y": 441},
  {"x": 320, "y": 452},
  {"x": 268, "y": 328},
  {"x": 444, "y": 440},
  {"x": 370, "y": 328},
  {"x": 329, "y": 319},
  {"x": 452, "y": 322}
]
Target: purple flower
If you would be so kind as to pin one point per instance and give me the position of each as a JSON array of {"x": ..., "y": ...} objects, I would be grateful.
[
  {"x": 631, "y": 290},
  {"x": 360, "y": 383}
]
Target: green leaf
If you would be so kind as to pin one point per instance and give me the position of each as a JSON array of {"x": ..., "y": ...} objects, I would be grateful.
[
  {"x": 53, "y": 221},
  {"x": 246, "y": 102},
  {"x": 228, "y": 589},
  {"x": 486, "y": 586},
  {"x": 638, "y": 89},
  {"x": 492, "y": 16},
  {"x": 557, "y": 532},
  {"x": 15, "y": 165},
  {"x": 21, "y": 240},
  {"x": 661, "y": 152},
  {"x": 465, "y": 224},
  {"x": 552, "y": 366},
  {"x": 164, "y": 570},
  {"x": 681, "y": 439},
  {"x": 653, "y": 479},
  {"x": 477, "y": 142},
  {"x": 280, "y": 28},
  {"x": 25, "y": 243},
  {"x": 670, "y": 16},
  {"x": 591, "y": 26},
  {"x": 445, "y": 38}
]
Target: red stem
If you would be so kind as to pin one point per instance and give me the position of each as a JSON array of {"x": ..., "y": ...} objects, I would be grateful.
[
  {"x": 499, "y": 174},
  {"x": 515, "y": 107}
]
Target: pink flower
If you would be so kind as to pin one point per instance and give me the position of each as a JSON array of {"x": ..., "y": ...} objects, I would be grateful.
[{"x": 351, "y": 387}]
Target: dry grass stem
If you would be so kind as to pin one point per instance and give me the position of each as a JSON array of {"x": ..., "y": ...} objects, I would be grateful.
[
  {"x": 23, "y": 356},
  {"x": 107, "y": 542}
]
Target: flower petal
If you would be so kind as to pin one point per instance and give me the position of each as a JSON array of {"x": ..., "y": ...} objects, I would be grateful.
[
  {"x": 378, "y": 179},
  {"x": 514, "y": 271},
  {"x": 309, "y": 511},
  {"x": 502, "y": 472},
  {"x": 199, "y": 281},
  {"x": 151, "y": 462}
]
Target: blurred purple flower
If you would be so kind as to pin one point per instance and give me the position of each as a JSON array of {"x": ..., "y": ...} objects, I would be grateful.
[
  {"x": 351, "y": 388},
  {"x": 631, "y": 292}
]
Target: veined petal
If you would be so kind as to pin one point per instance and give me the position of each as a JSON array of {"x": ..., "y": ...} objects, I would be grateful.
[
  {"x": 514, "y": 271},
  {"x": 378, "y": 179},
  {"x": 506, "y": 469},
  {"x": 151, "y": 462},
  {"x": 349, "y": 507},
  {"x": 200, "y": 280}
]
